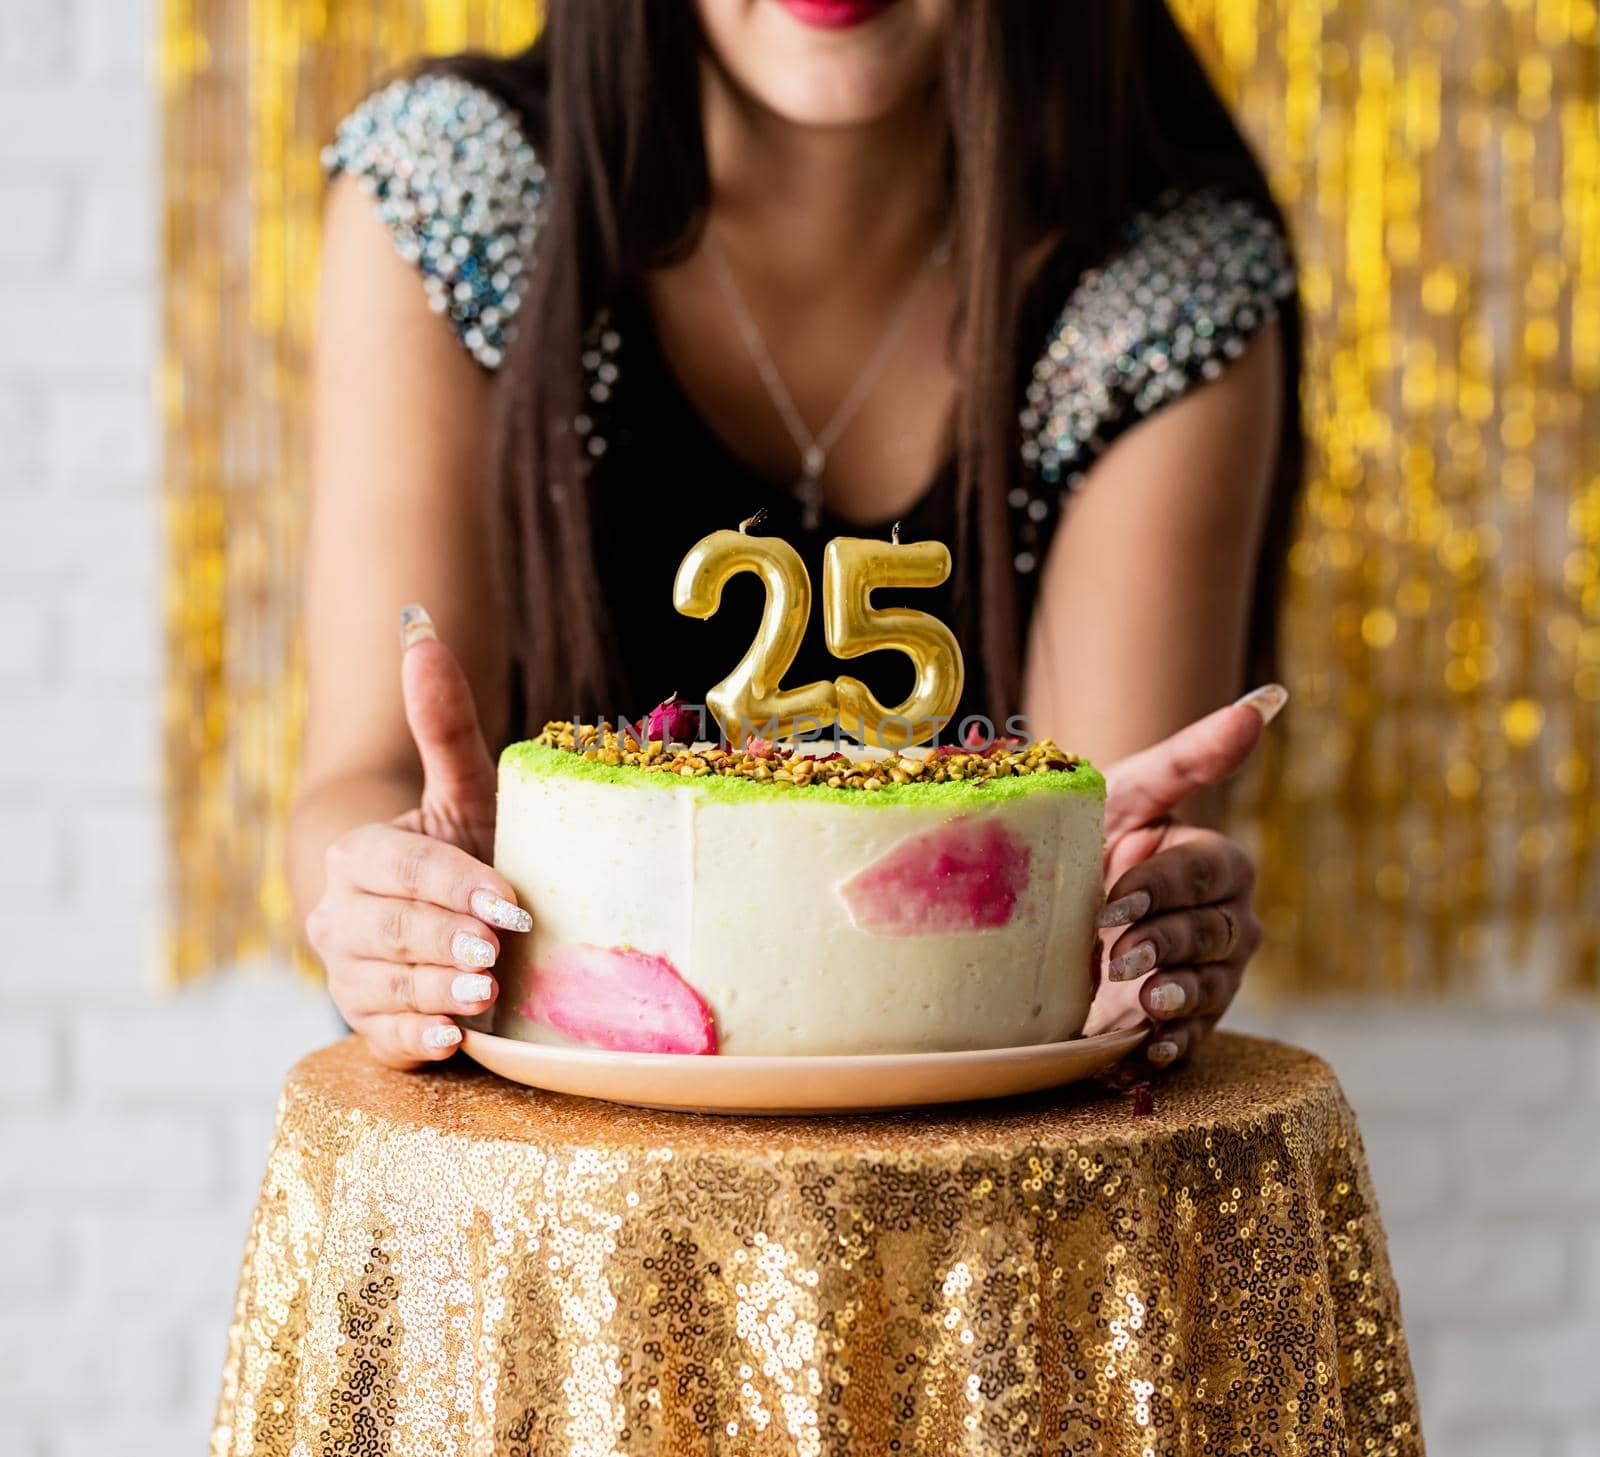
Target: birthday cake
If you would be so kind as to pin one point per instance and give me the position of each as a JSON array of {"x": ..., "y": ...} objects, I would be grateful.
[{"x": 801, "y": 899}]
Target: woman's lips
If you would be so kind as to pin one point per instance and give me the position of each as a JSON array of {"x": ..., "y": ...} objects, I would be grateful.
[{"x": 835, "y": 14}]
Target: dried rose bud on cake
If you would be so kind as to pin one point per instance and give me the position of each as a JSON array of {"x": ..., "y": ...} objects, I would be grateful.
[{"x": 792, "y": 899}]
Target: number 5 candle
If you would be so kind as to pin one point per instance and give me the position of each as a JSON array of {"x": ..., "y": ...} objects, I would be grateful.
[{"x": 852, "y": 568}]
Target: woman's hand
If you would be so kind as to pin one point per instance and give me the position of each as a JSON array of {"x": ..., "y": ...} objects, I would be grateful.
[
  {"x": 407, "y": 921},
  {"x": 1179, "y": 896}
]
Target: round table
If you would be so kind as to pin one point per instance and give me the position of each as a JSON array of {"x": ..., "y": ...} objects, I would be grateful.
[{"x": 445, "y": 1263}]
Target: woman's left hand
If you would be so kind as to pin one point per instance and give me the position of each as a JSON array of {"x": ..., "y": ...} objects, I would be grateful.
[{"x": 1178, "y": 895}]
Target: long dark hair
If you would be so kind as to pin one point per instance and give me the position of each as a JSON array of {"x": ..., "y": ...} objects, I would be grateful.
[{"x": 1064, "y": 116}]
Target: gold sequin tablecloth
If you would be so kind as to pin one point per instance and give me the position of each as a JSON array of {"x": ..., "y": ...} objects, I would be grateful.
[{"x": 445, "y": 1263}]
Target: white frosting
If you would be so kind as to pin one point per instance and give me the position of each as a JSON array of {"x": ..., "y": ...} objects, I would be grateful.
[{"x": 742, "y": 897}]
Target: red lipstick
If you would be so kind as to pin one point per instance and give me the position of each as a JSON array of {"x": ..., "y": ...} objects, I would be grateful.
[{"x": 835, "y": 14}]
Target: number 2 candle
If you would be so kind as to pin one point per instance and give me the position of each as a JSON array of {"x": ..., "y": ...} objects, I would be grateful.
[{"x": 750, "y": 699}]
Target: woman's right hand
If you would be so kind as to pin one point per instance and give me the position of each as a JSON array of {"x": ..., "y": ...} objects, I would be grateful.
[{"x": 408, "y": 920}]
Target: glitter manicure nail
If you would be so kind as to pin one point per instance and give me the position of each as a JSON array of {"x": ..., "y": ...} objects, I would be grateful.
[
  {"x": 1123, "y": 912},
  {"x": 1168, "y": 997},
  {"x": 470, "y": 950},
  {"x": 498, "y": 911},
  {"x": 1133, "y": 963},
  {"x": 1266, "y": 700},
  {"x": 415, "y": 625},
  {"x": 1161, "y": 1053},
  {"x": 441, "y": 1037},
  {"x": 472, "y": 987}
]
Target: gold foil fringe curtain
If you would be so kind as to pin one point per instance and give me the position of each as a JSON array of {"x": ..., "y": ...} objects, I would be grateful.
[
  {"x": 1432, "y": 822},
  {"x": 251, "y": 94},
  {"x": 1427, "y": 816}
]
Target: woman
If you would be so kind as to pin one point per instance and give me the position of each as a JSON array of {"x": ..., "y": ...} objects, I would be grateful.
[{"x": 1004, "y": 274}]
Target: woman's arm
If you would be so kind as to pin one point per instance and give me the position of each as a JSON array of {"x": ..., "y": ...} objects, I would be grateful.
[
  {"x": 401, "y": 506},
  {"x": 1145, "y": 597},
  {"x": 1140, "y": 628},
  {"x": 394, "y": 824}
]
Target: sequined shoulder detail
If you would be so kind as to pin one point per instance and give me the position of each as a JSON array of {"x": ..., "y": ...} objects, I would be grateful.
[
  {"x": 460, "y": 189},
  {"x": 1198, "y": 275}
]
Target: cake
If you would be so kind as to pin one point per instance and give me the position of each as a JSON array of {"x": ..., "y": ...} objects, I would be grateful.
[{"x": 796, "y": 900}]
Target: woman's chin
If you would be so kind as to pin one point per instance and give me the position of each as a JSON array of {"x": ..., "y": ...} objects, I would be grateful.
[{"x": 827, "y": 63}]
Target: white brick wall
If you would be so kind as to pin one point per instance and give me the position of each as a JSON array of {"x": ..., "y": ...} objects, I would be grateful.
[{"x": 132, "y": 1127}]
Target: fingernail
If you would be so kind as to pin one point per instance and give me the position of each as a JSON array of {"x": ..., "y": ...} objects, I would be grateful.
[
  {"x": 415, "y": 625},
  {"x": 1266, "y": 700},
  {"x": 438, "y": 1037},
  {"x": 1123, "y": 912},
  {"x": 498, "y": 911},
  {"x": 470, "y": 950},
  {"x": 472, "y": 987},
  {"x": 1161, "y": 1053},
  {"x": 1168, "y": 997},
  {"x": 1133, "y": 963}
]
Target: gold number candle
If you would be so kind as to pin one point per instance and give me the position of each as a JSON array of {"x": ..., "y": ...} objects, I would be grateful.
[
  {"x": 851, "y": 569},
  {"x": 750, "y": 699}
]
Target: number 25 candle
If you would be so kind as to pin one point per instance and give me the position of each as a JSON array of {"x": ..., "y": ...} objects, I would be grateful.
[{"x": 750, "y": 699}]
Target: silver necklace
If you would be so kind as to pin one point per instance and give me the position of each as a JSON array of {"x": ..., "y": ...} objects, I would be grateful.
[{"x": 814, "y": 449}]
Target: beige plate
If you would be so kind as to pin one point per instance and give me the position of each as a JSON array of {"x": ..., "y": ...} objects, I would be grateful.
[{"x": 796, "y": 1085}]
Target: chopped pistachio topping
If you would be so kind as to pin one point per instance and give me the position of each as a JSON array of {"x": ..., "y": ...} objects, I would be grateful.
[{"x": 764, "y": 763}]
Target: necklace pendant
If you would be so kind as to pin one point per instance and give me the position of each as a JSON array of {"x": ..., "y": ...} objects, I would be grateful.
[{"x": 808, "y": 490}]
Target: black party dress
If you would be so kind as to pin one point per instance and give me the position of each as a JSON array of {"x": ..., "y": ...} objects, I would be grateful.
[{"x": 461, "y": 190}]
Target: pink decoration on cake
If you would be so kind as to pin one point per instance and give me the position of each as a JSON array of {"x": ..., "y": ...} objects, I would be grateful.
[
  {"x": 967, "y": 875},
  {"x": 622, "y": 1000},
  {"x": 671, "y": 722}
]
